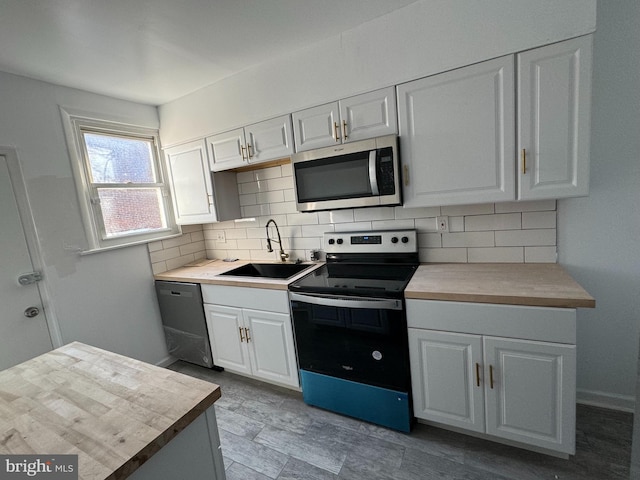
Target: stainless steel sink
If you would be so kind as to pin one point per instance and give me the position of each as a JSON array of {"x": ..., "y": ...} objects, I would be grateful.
[{"x": 268, "y": 270}]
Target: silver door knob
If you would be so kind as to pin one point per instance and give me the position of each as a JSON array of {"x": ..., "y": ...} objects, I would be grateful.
[{"x": 31, "y": 312}]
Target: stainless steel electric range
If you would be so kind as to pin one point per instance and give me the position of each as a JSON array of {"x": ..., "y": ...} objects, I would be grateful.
[{"x": 350, "y": 327}]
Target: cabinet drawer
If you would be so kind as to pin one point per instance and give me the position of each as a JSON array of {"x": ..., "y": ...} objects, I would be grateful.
[
  {"x": 530, "y": 323},
  {"x": 247, "y": 297}
]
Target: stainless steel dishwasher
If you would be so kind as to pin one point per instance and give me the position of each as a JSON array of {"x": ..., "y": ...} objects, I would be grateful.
[{"x": 185, "y": 327}]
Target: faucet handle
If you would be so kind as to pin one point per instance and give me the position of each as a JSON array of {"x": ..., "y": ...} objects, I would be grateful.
[{"x": 284, "y": 256}]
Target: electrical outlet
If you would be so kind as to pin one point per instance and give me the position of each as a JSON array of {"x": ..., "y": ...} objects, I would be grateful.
[
  {"x": 442, "y": 224},
  {"x": 220, "y": 236}
]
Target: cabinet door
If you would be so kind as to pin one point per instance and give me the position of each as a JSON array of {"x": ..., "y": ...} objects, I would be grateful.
[
  {"x": 369, "y": 115},
  {"x": 269, "y": 140},
  {"x": 227, "y": 338},
  {"x": 457, "y": 135},
  {"x": 446, "y": 378},
  {"x": 532, "y": 397},
  {"x": 227, "y": 150},
  {"x": 554, "y": 98},
  {"x": 190, "y": 182},
  {"x": 317, "y": 127},
  {"x": 271, "y": 346}
]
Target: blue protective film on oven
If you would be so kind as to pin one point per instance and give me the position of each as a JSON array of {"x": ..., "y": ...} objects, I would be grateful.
[{"x": 377, "y": 405}]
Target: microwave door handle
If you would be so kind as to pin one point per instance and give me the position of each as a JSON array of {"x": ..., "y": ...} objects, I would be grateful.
[{"x": 373, "y": 178}]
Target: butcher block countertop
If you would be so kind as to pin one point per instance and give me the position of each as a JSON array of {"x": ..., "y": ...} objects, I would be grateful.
[
  {"x": 112, "y": 411},
  {"x": 209, "y": 273},
  {"x": 542, "y": 285}
]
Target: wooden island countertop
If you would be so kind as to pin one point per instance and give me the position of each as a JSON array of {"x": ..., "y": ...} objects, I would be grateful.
[
  {"x": 114, "y": 412},
  {"x": 539, "y": 285}
]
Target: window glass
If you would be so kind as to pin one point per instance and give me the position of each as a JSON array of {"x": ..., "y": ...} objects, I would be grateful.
[
  {"x": 131, "y": 210},
  {"x": 119, "y": 160}
]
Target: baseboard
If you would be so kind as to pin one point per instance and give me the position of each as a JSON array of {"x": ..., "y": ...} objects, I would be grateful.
[
  {"x": 624, "y": 403},
  {"x": 166, "y": 361}
]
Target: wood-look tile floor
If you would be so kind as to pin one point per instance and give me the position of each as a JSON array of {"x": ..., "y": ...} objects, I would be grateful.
[{"x": 268, "y": 432}]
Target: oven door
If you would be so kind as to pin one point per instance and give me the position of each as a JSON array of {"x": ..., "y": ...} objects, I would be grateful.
[{"x": 354, "y": 338}]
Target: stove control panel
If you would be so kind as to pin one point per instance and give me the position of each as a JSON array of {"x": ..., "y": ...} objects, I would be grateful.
[{"x": 379, "y": 241}]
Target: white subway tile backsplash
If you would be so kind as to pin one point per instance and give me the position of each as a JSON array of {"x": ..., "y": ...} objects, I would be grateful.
[
  {"x": 443, "y": 255},
  {"x": 530, "y": 206},
  {"x": 422, "y": 212},
  {"x": 426, "y": 224},
  {"x": 501, "y": 232},
  {"x": 336, "y": 216},
  {"x": 540, "y": 254},
  {"x": 532, "y": 220},
  {"x": 373, "y": 213},
  {"x": 245, "y": 177},
  {"x": 310, "y": 218},
  {"x": 429, "y": 240},
  {"x": 249, "y": 211},
  {"x": 468, "y": 239},
  {"x": 526, "y": 238},
  {"x": 393, "y": 224},
  {"x": 249, "y": 243},
  {"x": 458, "y": 210},
  {"x": 505, "y": 221},
  {"x": 283, "y": 208},
  {"x": 456, "y": 224},
  {"x": 267, "y": 173},
  {"x": 191, "y": 248},
  {"x": 496, "y": 255},
  {"x": 270, "y": 197}
]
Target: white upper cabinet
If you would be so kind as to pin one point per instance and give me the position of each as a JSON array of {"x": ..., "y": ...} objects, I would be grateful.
[
  {"x": 457, "y": 135},
  {"x": 554, "y": 103},
  {"x": 251, "y": 145},
  {"x": 363, "y": 116},
  {"x": 198, "y": 195}
]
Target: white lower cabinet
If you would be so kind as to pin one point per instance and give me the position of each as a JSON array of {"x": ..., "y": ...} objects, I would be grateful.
[
  {"x": 520, "y": 390},
  {"x": 252, "y": 341}
]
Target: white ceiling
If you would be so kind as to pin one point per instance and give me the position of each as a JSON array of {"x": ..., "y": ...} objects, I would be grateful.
[{"x": 154, "y": 51}]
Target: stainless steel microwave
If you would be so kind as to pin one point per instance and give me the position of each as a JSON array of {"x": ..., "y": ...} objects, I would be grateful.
[{"x": 359, "y": 174}]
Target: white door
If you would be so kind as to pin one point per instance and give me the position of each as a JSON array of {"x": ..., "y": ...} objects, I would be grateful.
[
  {"x": 269, "y": 140},
  {"x": 531, "y": 392},
  {"x": 21, "y": 337},
  {"x": 227, "y": 338},
  {"x": 190, "y": 181},
  {"x": 446, "y": 378},
  {"x": 317, "y": 127},
  {"x": 554, "y": 104},
  {"x": 457, "y": 135},
  {"x": 271, "y": 345},
  {"x": 369, "y": 115}
]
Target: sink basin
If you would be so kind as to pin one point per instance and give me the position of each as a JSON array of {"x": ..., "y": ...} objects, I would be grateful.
[{"x": 268, "y": 270}]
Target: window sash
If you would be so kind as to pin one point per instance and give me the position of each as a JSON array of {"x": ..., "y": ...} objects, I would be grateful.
[{"x": 93, "y": 215}]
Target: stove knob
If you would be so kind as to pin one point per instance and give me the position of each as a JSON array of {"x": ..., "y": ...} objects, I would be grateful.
[
  {"x": 405, "y": 239},
  {"x": 331, "y": 241},
  {"x": 394, "y": 239},
  {"x": 339, "y": 241}
]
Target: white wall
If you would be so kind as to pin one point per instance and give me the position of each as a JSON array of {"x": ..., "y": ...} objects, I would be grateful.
[
  {"x": 426, "y": 37},
  {"x": 599, "y": 236},
  {"x": 104, "y": 299}
]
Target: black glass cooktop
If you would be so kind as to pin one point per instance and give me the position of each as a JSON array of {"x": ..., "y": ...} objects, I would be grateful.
[{"x": 371, "y": 280}]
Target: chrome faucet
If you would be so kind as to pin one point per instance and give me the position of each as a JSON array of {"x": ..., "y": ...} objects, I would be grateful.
[{"x": 283, "y": 256}]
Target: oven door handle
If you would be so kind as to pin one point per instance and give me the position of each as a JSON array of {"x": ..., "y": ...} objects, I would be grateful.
[{"x": 347, "y": 302}]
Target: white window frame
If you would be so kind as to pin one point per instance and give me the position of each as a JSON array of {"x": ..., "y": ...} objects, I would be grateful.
[{"x": 74, "y": 125}]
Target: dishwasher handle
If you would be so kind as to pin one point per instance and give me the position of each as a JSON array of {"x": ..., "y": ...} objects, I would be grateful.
[{"x": 347, "y": 302}]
